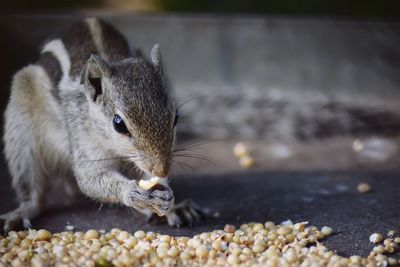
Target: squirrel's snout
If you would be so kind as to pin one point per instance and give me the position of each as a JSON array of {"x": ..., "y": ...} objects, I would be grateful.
[
  {"x": 160, "y": 172},
  {"x": 159, "y": 169},
  {"x": 156, "y": 166}
]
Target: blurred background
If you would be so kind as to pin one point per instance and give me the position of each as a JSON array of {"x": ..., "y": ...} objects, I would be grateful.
[{"x": 302, "y": 84}]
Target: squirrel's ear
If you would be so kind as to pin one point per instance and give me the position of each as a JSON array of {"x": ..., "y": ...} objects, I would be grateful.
[
  {"x": 92, "y": 74},
  {"x": 156, "y": 57}
]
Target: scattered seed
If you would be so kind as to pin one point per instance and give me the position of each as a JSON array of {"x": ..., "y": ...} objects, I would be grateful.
[
  {"x": 375, "y": 238},
  {"x": 240, "y": 150},
  {"x": 246, "y": 162},
  {"x": 363, "y": 187},
  {"x": 391, "y": 233},
  {"x": 326, "y": 230}
]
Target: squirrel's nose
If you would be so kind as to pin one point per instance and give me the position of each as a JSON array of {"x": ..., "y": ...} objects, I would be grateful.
[
  {"x": 160, "y": 170},
  {"x": 160, "y": 173}
]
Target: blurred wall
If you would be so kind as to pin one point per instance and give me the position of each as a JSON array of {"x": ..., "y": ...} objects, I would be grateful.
[{"x": 248, "y": 76}]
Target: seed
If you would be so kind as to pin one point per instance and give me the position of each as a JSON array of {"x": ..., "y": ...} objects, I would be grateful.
[
  {"x": 257, "y": 244},
  {"x": 173, "y": 252},
  {"x": 122, "y": 236},
  {"x": 291, "y": 255},
  {"x": 355, "y": 259},
  {"x": 162, "y": 252},
  {"x": 204, "y": 236},
  {"x": 284, "y": 230},
  {"x": 375, "y": 238},
  {"x": 379, "y": 249},
  {"x": 326, "y": 230},
  {"x": 201, "y": 251},
  {"x": 43, "y": 235},
  {"x": 229, "y": 228},
  {"x": 131, "y": 242},
  {"x": 393, "y": 261},
  {"x": 103, "y": 262},
  {"x": 269, "y": 225},
  {"x": 363, "y": 187},
  {"x": 391, "y": 233},
  {"x": 240, "y": 150},
  {"x": 91, "y": 234},
  {"x": 69, "y": 227},
  {"x": 258, "y": 227},
  {"x": 147, "y": 184},
  {"x": 246, "y": 162},
  {"x": 140, "y": 234},
  {"x": 258, "y": 248},
  {"x": 165, "y": 238},
  {"x": 232, "y": 259},
  {"x": 184, "y": 255},
  {"x": 243, "y": 258}
]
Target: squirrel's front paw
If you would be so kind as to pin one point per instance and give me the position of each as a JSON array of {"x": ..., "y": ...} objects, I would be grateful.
[{"x": 159, "y": 199}]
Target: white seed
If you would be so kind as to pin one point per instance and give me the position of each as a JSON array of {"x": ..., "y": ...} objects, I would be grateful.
[
  {"x": 122, "y": 236},
  {"x": 131, "y": 242},
  {"x": 291, "y": 255},
  {"x": 43, "y": 235},
  {"x": 184, "y": 255},
  {"x": 391, "y": 233},
  {"x": 91, "y": 234},
  {"x": 246, "y": 162},
  {"x": 173, "y": 252},
  {"x": 284, "y": 230},
  {"x": 240, "y": 150},
  {"x": 147, "y": 184},
  {"x": 201, "y": 251},
  {"x": 162, "y": 252},
  {"x": 232, "y": 259},
  {"x": 229, "y": 228},
  {"x": 165, "y": 238},
  {"x": 326, "y": 230},
  {"x": 375, "y": 238},
  {"x": 140, "y": 234},
  {"x": 363, "y": 188}
]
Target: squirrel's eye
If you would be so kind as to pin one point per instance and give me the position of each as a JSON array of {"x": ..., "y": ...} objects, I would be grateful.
[
  {"x": 176, "y": 118},
  {"x": 120, "y": 126}
]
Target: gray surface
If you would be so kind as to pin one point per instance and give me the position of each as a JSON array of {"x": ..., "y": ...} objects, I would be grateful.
[{"x": 321, "y": 198}]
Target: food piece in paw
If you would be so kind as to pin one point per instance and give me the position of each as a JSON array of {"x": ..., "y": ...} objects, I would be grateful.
[{"x": 147, "y": 184}]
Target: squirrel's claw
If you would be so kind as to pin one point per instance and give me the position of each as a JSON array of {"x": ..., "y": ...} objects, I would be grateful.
[{"x": 185, "y": 213}]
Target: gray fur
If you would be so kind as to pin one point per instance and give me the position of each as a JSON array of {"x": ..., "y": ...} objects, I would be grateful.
[{"x": 74, "y": 139}]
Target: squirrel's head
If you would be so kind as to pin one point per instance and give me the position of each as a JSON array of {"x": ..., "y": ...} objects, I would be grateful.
[{"x": 131, "y": 106}]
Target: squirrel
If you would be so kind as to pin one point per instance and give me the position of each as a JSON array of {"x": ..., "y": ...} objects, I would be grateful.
[{"x": 98, "y": 115}]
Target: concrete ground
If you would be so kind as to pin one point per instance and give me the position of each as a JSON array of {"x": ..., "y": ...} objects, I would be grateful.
[{"x": 277, "y": 193}]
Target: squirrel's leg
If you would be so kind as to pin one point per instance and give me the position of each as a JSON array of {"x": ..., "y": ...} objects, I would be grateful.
[
  {"x": 28, "y": 177},
  {"x": 110, "y": 186}
]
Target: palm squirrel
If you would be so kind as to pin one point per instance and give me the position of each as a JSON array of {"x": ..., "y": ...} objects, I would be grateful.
[{"x": 97, "y": 115}]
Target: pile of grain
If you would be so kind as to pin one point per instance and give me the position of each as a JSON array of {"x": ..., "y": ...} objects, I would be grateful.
[{"x": 253, "y": 244}]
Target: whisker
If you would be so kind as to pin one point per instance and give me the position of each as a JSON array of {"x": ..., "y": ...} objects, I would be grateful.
[
  {"x": 103, "y": 159},
  {"x": 187, "y": 100},
  {"x": 197, "y": 157},
  {"x": 197, "y": 144}
]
